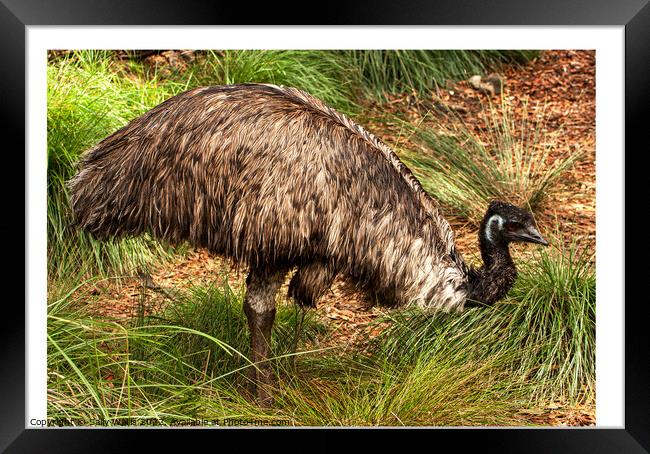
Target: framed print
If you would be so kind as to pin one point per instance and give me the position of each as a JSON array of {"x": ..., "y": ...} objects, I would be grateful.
[{"x": 413, "y": 223}]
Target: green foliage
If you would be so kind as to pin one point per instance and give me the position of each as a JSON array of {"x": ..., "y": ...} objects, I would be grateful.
[
  {"x": 546, "y": 324},
  {"x": 433, "y": 390},
  {"x": 88, "y": 100},
  {"x": 322, "y": 74},
  {"x": 186, "y": 363},
  {"x": 555, "y": 314},
  {"x": 218, "y": 310},
  {"x": 167, "y": 367},
  {"x": 515, "y": 165},
  {"x": 397, "y": 71},
  {"x": 474, "y": 368}
]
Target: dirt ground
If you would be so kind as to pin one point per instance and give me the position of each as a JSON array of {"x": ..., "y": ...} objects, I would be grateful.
[{"x": 563, "y": 81}]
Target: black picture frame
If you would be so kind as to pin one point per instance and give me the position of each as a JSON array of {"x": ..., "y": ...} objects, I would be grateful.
[{"x": 16, "y": 15}]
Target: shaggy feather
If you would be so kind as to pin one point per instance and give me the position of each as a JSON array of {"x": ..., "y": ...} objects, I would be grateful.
[{"x": 273, "y": 178}]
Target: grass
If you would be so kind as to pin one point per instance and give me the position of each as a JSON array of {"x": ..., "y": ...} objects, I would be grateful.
[
  {"x": 385, "y": 72},
  {"x": 434, "y": 392},
  {"x": 548, "y": 319},
  {"x": 167, "y": 368},
  {"x": 87, "y": 100},
  {"x": 516, "y": 163},
  {"x": 479, "y": 367},
  {"x": 556, "y": 315},
  {"x": 186, "y": 362},
  {"x": 218, "y": 310},
  {"x": 323, "y": 74}
]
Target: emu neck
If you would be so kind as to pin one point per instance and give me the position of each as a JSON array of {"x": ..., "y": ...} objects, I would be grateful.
[
  {"x": 492, "y": 281},
  {"x": 495, "y": 256}
]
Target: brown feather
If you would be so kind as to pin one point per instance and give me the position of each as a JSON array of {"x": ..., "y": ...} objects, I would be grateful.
[{"x": 272, "y": 177}]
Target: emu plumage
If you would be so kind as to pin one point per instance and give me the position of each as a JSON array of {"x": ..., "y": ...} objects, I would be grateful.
[{"x": 273, "y": 178}]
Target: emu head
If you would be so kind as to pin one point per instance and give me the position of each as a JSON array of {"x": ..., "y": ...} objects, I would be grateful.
[{"x": 504, "y": 223}]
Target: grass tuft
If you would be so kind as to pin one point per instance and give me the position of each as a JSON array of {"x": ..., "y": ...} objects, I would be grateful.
[
  {"x": 88, "y": 100},
  {"x": 516, "y": 164},
  {"x": 546, "y": 325},
  {"x": 322, "y": 74},
  {"x": 383, "y": 72},
  {"x": 160, "y": 369}
]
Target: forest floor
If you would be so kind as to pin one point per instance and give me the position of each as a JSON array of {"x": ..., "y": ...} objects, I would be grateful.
[{"x": 561, "y": 82}]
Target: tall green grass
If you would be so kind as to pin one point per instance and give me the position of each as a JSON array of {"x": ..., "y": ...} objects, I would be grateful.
[
  {"x": 321, "y": 73},
  {"x": 88, "y": 100},
  {"x": 547, "y": 320},
  {"x": 187, "y": 363},
  {"x": 433, "y": 389},
  {"x": 174, "y": 365},
  {"x": 479, "y": 367},
  {"x": 217, "y": 309},
  {"x": 556, "y": 315},
  {"x": 512, "y": 162},
  {"x": 383, "y": 72}
]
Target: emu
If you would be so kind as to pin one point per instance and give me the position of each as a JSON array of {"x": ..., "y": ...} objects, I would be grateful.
[{"x": 275, "y": 179}]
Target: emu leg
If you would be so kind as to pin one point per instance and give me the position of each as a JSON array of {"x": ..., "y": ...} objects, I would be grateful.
[
  {"x": 311, "y": 281},
  {"x": 259, "y": 307}
]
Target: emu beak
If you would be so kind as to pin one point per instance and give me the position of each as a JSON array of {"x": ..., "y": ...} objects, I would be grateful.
[{"x": 531, "y": 235}]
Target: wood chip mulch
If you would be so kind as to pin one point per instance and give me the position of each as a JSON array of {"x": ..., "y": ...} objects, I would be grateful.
[{"x": 557, "y": 414}]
